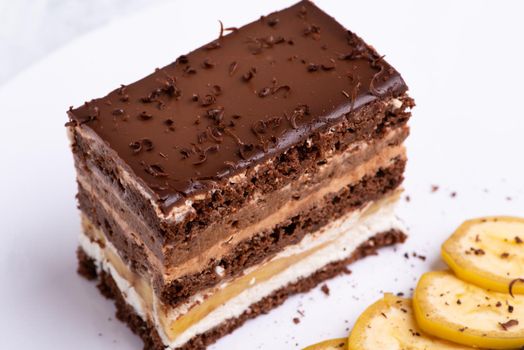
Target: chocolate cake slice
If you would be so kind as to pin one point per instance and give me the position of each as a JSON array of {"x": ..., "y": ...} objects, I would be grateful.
[{"x": 250, "y": 169}]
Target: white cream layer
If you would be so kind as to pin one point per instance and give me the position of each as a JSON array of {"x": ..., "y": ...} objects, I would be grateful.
[{"x": 341, "y": 238}]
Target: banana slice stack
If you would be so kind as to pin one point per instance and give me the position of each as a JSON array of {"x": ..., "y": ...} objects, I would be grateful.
[{"x": 479, "y": 304}]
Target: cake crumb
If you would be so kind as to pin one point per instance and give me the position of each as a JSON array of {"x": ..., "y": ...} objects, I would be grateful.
[
  {"x": 325, "y": 289},
  {"x": 434, "y": 188},
  {"x": 296, "y": 320},
  {"x": 453, "y": 194}
]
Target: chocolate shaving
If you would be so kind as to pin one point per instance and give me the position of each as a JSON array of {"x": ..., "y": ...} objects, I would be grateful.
[
  {"x": 171, "y": 89},
  {"x": 207, "y": 100},
  {"x": 512, "y": 284},
  {"x": 259, "y": 127},
  {"x": 507, "y": 325},
  {"x": 230, "y": 164},
  {"x": 155, "y": 170},
  {"x": 186, "y": 152},
  {"x": 255, "y": 46},
  {"x": 212, "y": 46},
  {"x": 147, "y": 144},
  {"x": 244, "y": 150},
  {"x": 143, "y": 144},
  {"x": 313, "y": 31},
  {"x": 122, "y": 90},
  {"x": 215, "y": 134},
  {"x": 202, "y": 157},
  {"x": 328, "y": 66},
  {"x": 273, "y": 22},
  {"x": 145, "y": 116},
  {"x": 202, "y": 137},
  {"x": 136, "y": 146},
  {"x": 249, "y": 74},
  {"x": 234, "y": 136},
  {"x": 284, "y": 90},
  {"x": 188, "y": 70},
  {"x": 312, "y": 67},
  {"x": 221, "y": 34},
  {"x": 354, "y": 95},
  {"x": 216, "y": 90},
  {"x": 325, "y": 289},
  {"x": 299, "y": 112},
  {"x": 208, "y": 63},
  {"x": 233, "y": 67},
  {"x": 376, "y": 64},
  {"x": 270, "y": 41},
  {"x": 216, "y": 114},
  {"x": 264, "y": 92},
  {"x": 118, "y": 111},
  {"x": 151, "y": 97},
  {"x": 182, "y": 59}
]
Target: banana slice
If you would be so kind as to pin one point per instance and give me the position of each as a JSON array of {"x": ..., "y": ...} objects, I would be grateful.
[
  {"x": 488, "y": 252},
  {"x": 389, "y": 325},
  {"x": 331, "y": 344},
  {"x": 452, "y": 309}
]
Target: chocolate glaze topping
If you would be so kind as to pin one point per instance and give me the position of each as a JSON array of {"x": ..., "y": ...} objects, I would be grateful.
[{"x": 244, "y": 97}]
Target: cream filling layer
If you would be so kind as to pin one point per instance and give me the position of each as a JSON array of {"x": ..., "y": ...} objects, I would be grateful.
[{"x": 336, "y": 241}]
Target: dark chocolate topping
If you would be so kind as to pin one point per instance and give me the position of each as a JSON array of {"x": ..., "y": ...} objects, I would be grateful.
[{"x": 238, "y": 100}]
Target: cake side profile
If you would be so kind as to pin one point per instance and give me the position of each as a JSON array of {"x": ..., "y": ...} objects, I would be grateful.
[{"x": 248, "y": 170}]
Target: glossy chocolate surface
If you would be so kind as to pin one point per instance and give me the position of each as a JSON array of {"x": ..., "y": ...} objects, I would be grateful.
[{"x": 244, "y": 97}]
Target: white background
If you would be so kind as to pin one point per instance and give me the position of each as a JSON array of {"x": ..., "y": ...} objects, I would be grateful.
[{"x": 462, "y": 61}]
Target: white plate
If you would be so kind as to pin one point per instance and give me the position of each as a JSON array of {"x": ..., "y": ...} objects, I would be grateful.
[{"x": 462, "y": 61}]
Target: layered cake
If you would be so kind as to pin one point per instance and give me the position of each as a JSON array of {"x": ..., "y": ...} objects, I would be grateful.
[{"x": 250, "y": 169}]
